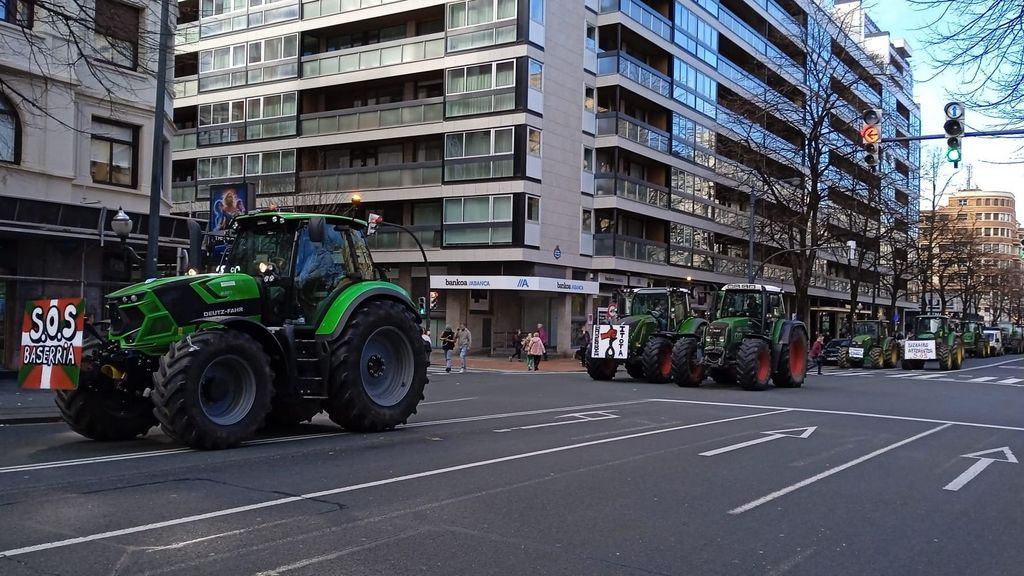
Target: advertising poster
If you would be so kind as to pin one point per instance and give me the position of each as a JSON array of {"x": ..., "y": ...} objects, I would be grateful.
[
  {"x": 51, "y": 344},
  {"x": 226, "y": 202}
]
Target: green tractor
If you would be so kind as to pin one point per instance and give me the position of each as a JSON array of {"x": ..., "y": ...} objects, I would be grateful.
[
  {"x": 934, "y": 338},
  {"x": 750, "y": 341},
  {"x": 872, "y": 346},
  {"x": 1013, "y": 337},
  {"x": 296, "y": 321},
  {"x": 973, "y": 335},
  {"x": 642, "y": 340}
]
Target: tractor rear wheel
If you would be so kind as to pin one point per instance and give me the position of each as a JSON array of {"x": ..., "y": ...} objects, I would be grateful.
[
  {"x": 944, "y": 355},
  {"x": 957, "y": 355},
  {"x": 687, "y": 370},
  {"x": 600, "y": 368},
  {"x": 792, "y": 361},
  {"x": 875, "y": 357},
  {"x": 656, "y": 360},
  {"x": 378, "y": 368},
  {"x": 635, "y": 370},
  {"x": 213, "y": 390},
  {"x": 754, "y": 364},
  {"x": 891, "y": 357},
  {"x": 844, "y": 357}
]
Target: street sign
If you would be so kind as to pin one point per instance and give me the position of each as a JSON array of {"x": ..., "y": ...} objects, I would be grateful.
[
  {"x": 611, "y": 341},
  {"x": 982, "y": 463},
  {"x": 51, "y": 344},
  {"x": 771, "y": 435}
]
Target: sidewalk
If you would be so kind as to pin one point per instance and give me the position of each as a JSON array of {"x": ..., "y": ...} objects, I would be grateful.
[
  {"x": 502, "y": 364},
  {"x": 19, "y": 406}
]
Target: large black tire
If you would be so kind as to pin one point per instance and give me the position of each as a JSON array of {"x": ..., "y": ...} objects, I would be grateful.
[
  {"x": 875, "y": 358},
  {"x": 378, "y": 368},
  {"x": 891, "y": 357},
  {"x": 944, "y": 355},
  {"x": 656, "y": 360},
  {"x": 214, "y": 389},
  {"x": 722, "y": 376},
  {"x": 687, "y": 370},
  {"x": 792, "y": 361},
  {"x": 635, "y": 370},
  {"x": 754, "y": 364},
  {"x": 957, "y": 355},
  {"x": 844, "y": 357},
  {"x": 285, "y": 412},
  {"x": 600, "y": 368}
]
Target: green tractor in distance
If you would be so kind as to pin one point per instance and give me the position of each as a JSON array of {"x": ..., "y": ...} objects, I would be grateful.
[
  {"x": 973, "y": 335},
  {"x": 933, "y": 339},
  {"x": 298, "y": 320},
  {"x": 1013, "y": 337},
  {"x": 750, "y": 341},
  {"x": 654, "y": 320},
  {"x": 872, "y": 346}
]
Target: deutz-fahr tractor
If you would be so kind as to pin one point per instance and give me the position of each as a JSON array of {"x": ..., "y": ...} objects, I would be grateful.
[
  {"x": 654, "y": 320},
  {"x": 933, "y": 339},
  {"x": 975, "y": 341},
  {"x": 872, "y": 346},
  {"x": 296, "y": 321},
  {"x": 750, "y": 341}
]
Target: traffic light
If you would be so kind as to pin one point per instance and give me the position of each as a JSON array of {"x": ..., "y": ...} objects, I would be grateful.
[
  {"x": 871, "y": 136},
  {"x": 371, "y": 223},
  {"x": 423, "y": 305},
  {"x": 954, "y": 128}
]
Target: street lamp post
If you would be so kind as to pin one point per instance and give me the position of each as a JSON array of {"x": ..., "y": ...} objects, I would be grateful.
[{"x": 121, "y": 225}]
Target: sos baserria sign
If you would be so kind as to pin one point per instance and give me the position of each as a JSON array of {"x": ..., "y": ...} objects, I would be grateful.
[{"x": 51, "y": 344}]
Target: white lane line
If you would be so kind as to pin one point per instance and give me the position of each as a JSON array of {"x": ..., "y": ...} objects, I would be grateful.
[
  {"x": 929, "y": 376},
  {"x": 902, "y": 375},
  {"x": 355, "y": 487},
  {"x": 1009, "y": 381},
  {"x": 982, "y": 379},
  {"x": 172, "y": 451},
  {"x": 843, "y": 413},
  {"x": 993, "y": 365},
  {"x": 448, "y": 401},
  {"x": 794, "y": 487}
]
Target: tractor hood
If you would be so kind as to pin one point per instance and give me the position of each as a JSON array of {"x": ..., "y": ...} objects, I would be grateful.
[
  {"x": 150, "y": 314},
  {"x": 641, "y": 326},
  {"x": 861, "y": 341}
]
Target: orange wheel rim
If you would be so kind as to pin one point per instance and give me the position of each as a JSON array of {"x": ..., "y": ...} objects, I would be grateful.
[
  {"x": 666, "y": 362},
  {"x": 797, "y": 358},
  {"x": 764, "y": 366}
]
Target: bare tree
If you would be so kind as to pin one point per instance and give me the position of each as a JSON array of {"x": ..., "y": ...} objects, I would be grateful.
[{"x": 934, "y": 227}]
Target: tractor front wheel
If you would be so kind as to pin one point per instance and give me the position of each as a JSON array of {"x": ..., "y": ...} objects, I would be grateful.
[
  {"x": 945, "y": 355},
  {"x": 754, "y": 364},
  {"x": 844, "y": 357},
  {"x": 891, "y": 357},
  {"x": 600, "y": 368},
  {"x": 792, "y": 361},
  {"x": 102, "y": 413},
  {"x": 875, "y": 357},
  {"x": 378, "y": 369},
  {"x": 213, "y": 389},
  {"x": 657, "y": 360},
  {"x": 635, "y": 370},
  {"x": 957, "y": 355},
  {"x": 687, "y": 370}
]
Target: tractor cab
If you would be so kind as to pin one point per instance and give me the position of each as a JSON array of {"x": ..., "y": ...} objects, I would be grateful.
[
  {"x": 926, "y": 327},
  {"x": 667, "y": 307},
  {"x": 867, "y": 328},
  {"x": 760, "y": 305}
]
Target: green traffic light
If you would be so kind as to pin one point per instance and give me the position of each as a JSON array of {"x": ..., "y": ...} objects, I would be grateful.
[{"x": 953, "y": 155}]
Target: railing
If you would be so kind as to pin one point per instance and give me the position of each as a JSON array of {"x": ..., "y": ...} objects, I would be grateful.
[
  {"x": 751, "y": 132},
  {"x": 184, "y": 140},
  {"x": 759, "y": 43},
  {"x": 385, "y": 54},
  {"x": 186, "y": 34},
  {"x": 632, "y": 189},
  {"x": 376, "y": 177},
  {"x": 371, "y": 117},
  {"x": 390, "y": 239},
  {"x": 785, "y": 18},
  {"x": 642, "y": 13},
  {"x": 612, "y": 123},
  {"x": 185, "y": 87},
  {"x": 630, "y": 248},
  {"x": 758, "y": 88},
  {"x": 612, "y": 62},
  {"x": 318, "y": 8}
]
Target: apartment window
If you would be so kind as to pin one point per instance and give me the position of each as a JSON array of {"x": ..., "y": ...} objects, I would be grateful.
[
  {"x": 218, "y": 7},
  {"x": 591, "y": 37},
  {"x": 533, "y": 209},
  {"x": 589, "y": 98},
  {"x": 537, "y": 11},
  {"x": 473, "y": 12},
  {"x": 961, "y": 202},
  {"x": 961, "y": 216},
  {"x": 221, "y": 113},
  {"x": 273, "y": 49},
  {"x": 587, "y": 221},
  {"x": 10, "y": 132},
  {"x": 482, "y": 77},
  {"x": 588, "y": 159},
  {"x": 533, "y": 141},
  {"x": 478, "y": 220},
  {"x": 17, "y": 12},
  {"x": 222, "y": 58},
  {"x": 220, "y": 167},
  {"x": 536, "y": 75},
  {"x": 113, "y": 153},
  {"x": 117, "y": 33},
  {"x": 478, "y": 143},
  {"x": 272, "y": 106},
  {"x": 276, "y": 162}
]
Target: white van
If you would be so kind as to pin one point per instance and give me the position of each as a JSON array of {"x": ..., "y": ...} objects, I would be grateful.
[{"x": 995, "y": 342}]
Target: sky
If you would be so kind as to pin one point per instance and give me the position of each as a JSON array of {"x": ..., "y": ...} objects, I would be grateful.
[{"x": 902, "y": 20}]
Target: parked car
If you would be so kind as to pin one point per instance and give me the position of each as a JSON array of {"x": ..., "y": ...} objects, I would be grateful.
[{"x": 831, "y": 352}]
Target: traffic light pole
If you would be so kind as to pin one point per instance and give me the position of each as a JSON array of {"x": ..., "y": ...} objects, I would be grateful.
[{"x": 982, "y": 133}]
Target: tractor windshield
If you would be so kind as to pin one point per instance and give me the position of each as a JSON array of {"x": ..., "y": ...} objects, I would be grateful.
[
  {"x": 932, "y": 325},
  {"x": 654, "y": 304},
  {"x": 740, "y": 303},
  {"x": 972, "y": 327},
  {"x": 866, "y": 329},
  {"x": 252, "y": 247}
]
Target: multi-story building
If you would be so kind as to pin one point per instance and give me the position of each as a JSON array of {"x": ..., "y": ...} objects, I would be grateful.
[
  {"x": 979, "y": 243},
  {"x": 77, "y": 101},
  {"x": 545, "y": 153}
]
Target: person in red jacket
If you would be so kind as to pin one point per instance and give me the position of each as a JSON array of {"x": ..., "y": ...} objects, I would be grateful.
[{"x": 816, "y": 350}]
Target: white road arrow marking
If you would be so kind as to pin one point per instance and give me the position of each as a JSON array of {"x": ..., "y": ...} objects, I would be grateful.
[
  {"x": 578, "y": 418},
  {"x": 771, "y": 435},
  {"x": 982, "y": 463}
]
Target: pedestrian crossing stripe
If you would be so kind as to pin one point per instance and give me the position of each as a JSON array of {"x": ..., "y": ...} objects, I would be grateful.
[
  {"x": 982, "y": 379},
  {"x": 1009, "y": 381}
]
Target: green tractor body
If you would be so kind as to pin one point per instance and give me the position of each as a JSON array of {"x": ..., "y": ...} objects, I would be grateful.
[
  {"x": 751, "y": 341},
  {"x": 975, "y": 341},
  {"x": 296, "y": 321},
  {"x": 642, "y": 339},
  {"x": 872, "y": 346},
  {"x": 934, "y": 338}
]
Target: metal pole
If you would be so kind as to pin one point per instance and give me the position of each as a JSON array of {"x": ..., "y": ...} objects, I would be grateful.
[
  {"x": 157, "y": 181},
  {"x": 751, "y": 276}
]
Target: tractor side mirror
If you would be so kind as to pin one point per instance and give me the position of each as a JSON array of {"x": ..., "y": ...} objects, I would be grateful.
[
  {"x": 316, "y": 229},
  {"x": 195, "y": 245}
]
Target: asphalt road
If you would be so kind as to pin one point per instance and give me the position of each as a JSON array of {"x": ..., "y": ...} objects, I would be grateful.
[{"x": 858, "y": 472}]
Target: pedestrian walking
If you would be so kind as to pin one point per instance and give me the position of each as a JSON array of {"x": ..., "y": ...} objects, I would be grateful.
[
  {"x": 517, "y": 345},
  {"x": 816, "y": 351},
  {"x": 464, "y": 340},
  {"x": 447, "y": 345},
  {"x": 536, "y": 351},
  {"x": 543, "y": 335},
  {"x": 583, "y": 353},
  {"x": 428, "y": 346}
]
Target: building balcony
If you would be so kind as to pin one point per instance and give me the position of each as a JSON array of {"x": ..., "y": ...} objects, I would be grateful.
[
  {"x": 318, "y": 8},
  {"x": 632, "y": 189},
  {"x": 630, "y": 248},
  {"x": 409, "y": 175},
  {"x": 186, "y": 86},
  {"x": 373, "y": 117},
  {"x": 429, "y": 236},
  {"x": 610, "y": 63},
  {"x": 758, "y": 42},
  {"x": 641, "y": 13},
  {"x": 403, "y": 51},
  {"x": 186, "y": 34},
  {"x": 761, "y": 91},
  {"x": 184, "y": 140},
  {"x": 616, "y": 124},
  {"x": 790, "y": 25}
]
